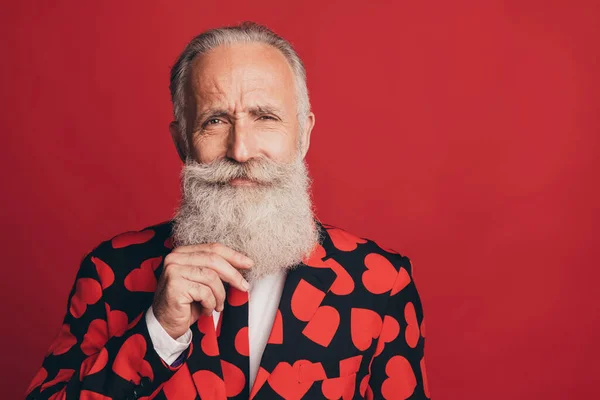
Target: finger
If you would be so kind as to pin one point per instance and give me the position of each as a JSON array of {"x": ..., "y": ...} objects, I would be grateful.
[
  {"x": 202, "y": 294},
  {"x": 225, "y": 270},
  {"x": 206, "y": 276},
  {"x": 235, "y": 258}
]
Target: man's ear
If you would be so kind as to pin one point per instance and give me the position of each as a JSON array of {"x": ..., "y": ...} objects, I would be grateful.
[
  {"x": 177, "y": 140},
  {"x": 309, "y": 124}
]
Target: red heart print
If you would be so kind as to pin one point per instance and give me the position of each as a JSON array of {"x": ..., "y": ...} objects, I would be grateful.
[
  {"x": 364, "y": 389},
  {"x": 424, "y": 375},
  {"x": 365, "y": 325},
  {"x": 37, "y": 380},
  {"x": 389, "y": 332},
  {"x": 89, "y": 395},
  {"x": 234, "y": 378},
  {"x": 315, "y": 258},
  {"x": 117, "y": 321},
  {"x": 136, "y": 320},
  {"x": 208, "y": 344},
  {"x": 130, "y": 238},
  {"x": 343, "y": 284},
  {"x": 276, "y": 335},
  {"x": 63, "y": 375},
  {"x": 401, "y": 381},
  {"x": 343, "y": 240},
  {"x": 380, "y": 274},
  {"x": 350, "y": 365},
  {"x": 95, "y": 338},
  {"x": 323, "y": 325},
  {"x": 105, "y": 272},
  {"x": 284, "y": 380},
  {"x": 169, "y": 243},
  {"x": 236, "y": 297},
  {"x": 259, "y": 381},
  {"x": 63, "y": 341},
  {"x": 60, "y": 395},
  {"x": 129, "y": 363},
  {"x": 241, "y": 342},
  {"x": 411, "y": 333},
  {"x": 143, "y": 279},
  {"x": 209, "y": 385},
  {"x": 402, "y": 281},
  {"x": 180, "y": 386},
  {"x": 341, "y": 387},
  {"x": 305, "y": 300},
  {"x": 87, "y": 291},
  {"x": 94, "y": 363}
]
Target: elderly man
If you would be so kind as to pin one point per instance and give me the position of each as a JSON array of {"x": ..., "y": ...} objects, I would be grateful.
[{"x": 243, "y": 294}]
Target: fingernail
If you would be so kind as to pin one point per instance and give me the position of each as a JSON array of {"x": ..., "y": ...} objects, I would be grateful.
[{"x": 245, "y": 285}]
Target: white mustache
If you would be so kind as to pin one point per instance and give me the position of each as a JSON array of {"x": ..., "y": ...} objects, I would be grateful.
[{"x": 223, "y": 170}]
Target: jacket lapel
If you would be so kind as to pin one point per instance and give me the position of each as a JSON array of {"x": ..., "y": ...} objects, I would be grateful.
[{"x": 305, "y": 288}]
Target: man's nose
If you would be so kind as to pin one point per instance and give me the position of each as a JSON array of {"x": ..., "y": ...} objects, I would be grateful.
[{"x": 241, "y": 144}]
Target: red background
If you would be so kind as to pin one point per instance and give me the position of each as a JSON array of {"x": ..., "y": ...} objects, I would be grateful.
[{"x": 462, "y": 133}]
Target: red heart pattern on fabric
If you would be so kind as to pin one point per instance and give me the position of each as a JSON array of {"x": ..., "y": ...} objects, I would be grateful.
[
  {"x": 63, "y": 375},
  {"x": 63, "y": 341},
  {"x": 323, "y": 325},
  {"x": 208, "y": 344},
  {"x": 93, "y": 364},
  {"x": 87, "y": 291},
  {"x": 411, "y": 333},
  {"x": 105, "y": 272},
  {"x": 401, "y": 380},
  {"x": 343, "y": 284},
  {"x": 276, "y": 335},
  {"x": 234, "y": 378},
  {"x": 180, "y": 387},
  {"x": 284, "y": 380},
  {"x": 424, "y": 375},
  {"x": 402, "y": 281},
  {"x": 315, "y": 258},
  {"x": 364, "y": 389},
  {"x": 389, "y": 332},
  {"x": 129, "y": 363},
  {"x": 60, "y": 395},
  {"x": 131, "y": 238},
  {"x": 305, "y": 300},
  {"x": 209, "y": 385},
  {"x": 37, "y": 380},
  {"x": 380, "y": 275},
  {"x": 117, "y": 321},
  {"x": 241, "y": 342},
  {"x": 95, "y": 338},
  {"x": 342, "y": 387},
  {"x": 343, "y": 240},
  {"x": 142, "y": 279},
  {"x": 259, "y": 381},
  {"x": 88, "y": 395},
  {"x": 365, "y": 325},
  {"x": 236, "y": 298}
]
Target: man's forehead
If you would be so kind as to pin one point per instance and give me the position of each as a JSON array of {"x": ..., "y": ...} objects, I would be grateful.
[{"x": 252, "y": 69}]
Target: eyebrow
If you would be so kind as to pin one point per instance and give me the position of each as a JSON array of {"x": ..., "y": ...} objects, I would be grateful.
[{"x": 221, "y": 112}]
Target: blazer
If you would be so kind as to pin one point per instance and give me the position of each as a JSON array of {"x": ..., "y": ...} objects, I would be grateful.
[{"x": 349, "y": 325}]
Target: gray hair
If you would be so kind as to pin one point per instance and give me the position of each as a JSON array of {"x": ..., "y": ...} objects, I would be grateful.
[{"x": 246, "y": 32}]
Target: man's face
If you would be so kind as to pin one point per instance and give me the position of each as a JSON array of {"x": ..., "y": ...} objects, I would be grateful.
[
  {"x": 242, "y": 105},
  {"x": 246, "y": 185}
]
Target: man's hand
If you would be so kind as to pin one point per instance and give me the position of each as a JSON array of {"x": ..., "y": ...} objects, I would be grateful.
[{"x": 192, "y": 284}]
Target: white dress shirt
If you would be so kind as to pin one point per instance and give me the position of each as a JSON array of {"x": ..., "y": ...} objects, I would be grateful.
[{"x": 263, "y": 301}]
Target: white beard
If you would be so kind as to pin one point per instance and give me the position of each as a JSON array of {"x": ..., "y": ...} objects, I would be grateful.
[{"x": 271, "y": 222}]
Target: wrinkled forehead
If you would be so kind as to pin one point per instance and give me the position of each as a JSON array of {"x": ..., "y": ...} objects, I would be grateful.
[{"x": 239, "y": 74}]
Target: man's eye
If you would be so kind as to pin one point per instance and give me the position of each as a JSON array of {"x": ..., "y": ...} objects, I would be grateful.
[
  {"x": 213, "y": 121},
  {"x": 266, "y": 117}
]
